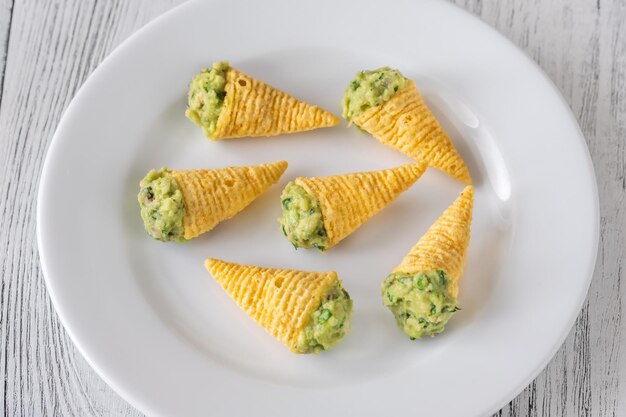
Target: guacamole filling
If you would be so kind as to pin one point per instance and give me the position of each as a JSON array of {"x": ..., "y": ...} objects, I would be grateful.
[
  {"x": 162, "y": 206},
  {"x": 370, "y": 89},
  {"x": 206, "y": 97},
  {"x": 302, "y": 220},
  {"x": 329, "y": 322},
  {"x": 420, "y": 302}
]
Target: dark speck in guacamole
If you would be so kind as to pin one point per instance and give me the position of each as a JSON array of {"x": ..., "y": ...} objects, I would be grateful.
[
  {"x": 370, "y": 89},
  {"x": 302, "y": 220},
  {"x": 206, "y": 97},
  {"x": 420, "y": 302},
  {"x": 329, "y": 322},
  {"x": 162, "y": 207}
]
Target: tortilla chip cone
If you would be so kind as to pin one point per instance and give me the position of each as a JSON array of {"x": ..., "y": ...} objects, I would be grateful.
[
  {"x": 253, "y": 108},
  {"x": 279, "y": 300},
  {"x": 214, "y": 195},
  {"x": 444, "y": 245},
  {"x": 347, "y": 201},
  {"x": 406, "y": 124}
]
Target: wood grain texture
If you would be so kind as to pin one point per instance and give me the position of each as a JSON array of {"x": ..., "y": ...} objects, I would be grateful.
[
  {"x": 6, "y": 12},
  {"x": 48, "y": 48}
]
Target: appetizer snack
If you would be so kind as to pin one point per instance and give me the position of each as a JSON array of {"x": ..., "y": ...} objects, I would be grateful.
[
  {"x": 387, "y": 105},
  {"x": 226, "y": 103},
  {"x": 320, "y": 211},
  {"x": 180, "y": 205},
  {"x": 422, "y": 291},
  {"x": 307, "y": 311}
]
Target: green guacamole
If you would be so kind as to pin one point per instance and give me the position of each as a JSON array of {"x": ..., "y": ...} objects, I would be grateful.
[
  {"x": 420, "y": 302},
  {"x": 328, "y": 324},
  {"x": 302, "y": 220},
  {"x": 370, "y": 89},
  {"x": 206, "y": 97},
  {"x": 162, "y": 207}
]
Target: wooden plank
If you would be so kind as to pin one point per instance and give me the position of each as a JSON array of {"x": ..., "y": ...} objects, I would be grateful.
[
  {"x": 52, "y": 48},
  {"x": 6, "y": 12}
]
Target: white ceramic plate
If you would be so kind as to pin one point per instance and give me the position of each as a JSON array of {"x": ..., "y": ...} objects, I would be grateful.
[{"x": 152, "y": 322}]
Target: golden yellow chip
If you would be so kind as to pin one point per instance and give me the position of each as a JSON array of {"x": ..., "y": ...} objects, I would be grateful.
[
  {"x": 406, "y": 124},
  {"x": 347, "y": 201},
  {"x": 253, "y": 108},
  {"x": 279, "y": 300},
  {"x": 213, "y": 195},
  {"x": 444, "y": 245}
]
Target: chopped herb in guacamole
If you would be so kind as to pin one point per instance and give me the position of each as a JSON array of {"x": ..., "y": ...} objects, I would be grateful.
[
  {"x": 206, "y": 97},
  {"x": 420, "y": 302},
  {"x": 162, "y": 207},
  {"x": 329, "y": 322},
  {"x": 302, "y": 220},
  {"x": 370, "y": 89}
]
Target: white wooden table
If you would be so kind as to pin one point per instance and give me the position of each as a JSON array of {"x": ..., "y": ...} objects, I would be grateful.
[{"x": 49, "y": 47}]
